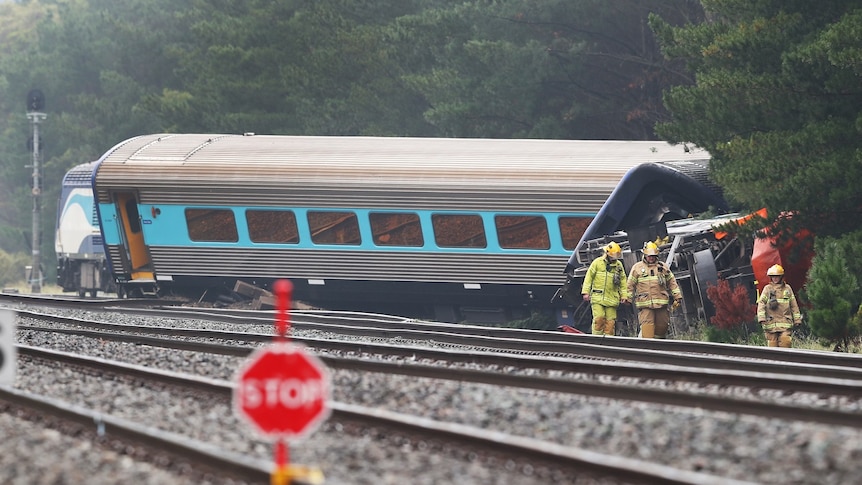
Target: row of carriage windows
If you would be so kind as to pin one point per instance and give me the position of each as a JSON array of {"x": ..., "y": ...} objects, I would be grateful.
[{"x": 387, "y": 228}]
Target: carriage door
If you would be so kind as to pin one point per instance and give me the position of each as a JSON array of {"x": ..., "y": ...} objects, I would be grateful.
[{"x": 136, "y": 250}]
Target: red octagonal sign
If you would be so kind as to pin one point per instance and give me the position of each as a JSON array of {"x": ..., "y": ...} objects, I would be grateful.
[{"x": 283, "y": 391}]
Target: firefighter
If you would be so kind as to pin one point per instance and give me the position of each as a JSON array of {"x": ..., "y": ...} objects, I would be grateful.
[
  {"x": 652, "y": 287},
  {"x": 777, "y": 310},
  {"x": 605, "y": 288}
]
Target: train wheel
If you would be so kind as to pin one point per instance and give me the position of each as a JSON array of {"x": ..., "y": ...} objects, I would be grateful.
[{"x": 705, "y": 275}]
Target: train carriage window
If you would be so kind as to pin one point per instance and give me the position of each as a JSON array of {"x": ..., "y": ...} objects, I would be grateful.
[
  {"x": 272, "y": 226},
  {"x": 211, "y": 225},
  {"x": 572, "y": 228},
  {"x": 522, "y": 232},
  {"x": 458, "y": 231},
  {"x": 334, "y": 228},
  {"x": 396, "y": 229}
]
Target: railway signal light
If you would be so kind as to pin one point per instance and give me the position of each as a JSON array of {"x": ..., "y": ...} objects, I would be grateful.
[{"x": 35, "y": 100}]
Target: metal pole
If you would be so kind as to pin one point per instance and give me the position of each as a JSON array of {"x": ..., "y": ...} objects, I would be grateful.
[{"x": 36, "y": 271}]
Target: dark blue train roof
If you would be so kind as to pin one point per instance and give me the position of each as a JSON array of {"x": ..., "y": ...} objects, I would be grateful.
[
  {"x": 80, "y": 175},
  {"x": 650, "y": 190}
]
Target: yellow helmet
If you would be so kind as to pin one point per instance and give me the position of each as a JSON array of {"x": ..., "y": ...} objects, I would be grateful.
[
  {"x": 775, "y": 270},
  {"x": 650, "y": 249},
  {"x": 613, "y": 251}
]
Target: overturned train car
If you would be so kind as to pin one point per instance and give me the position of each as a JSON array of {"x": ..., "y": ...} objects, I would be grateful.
[
  {"x": 451, "y": 229},
  {"x": 697, "y": 253}
]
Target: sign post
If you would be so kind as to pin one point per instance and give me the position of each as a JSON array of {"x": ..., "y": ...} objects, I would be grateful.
[
  {"x": 283, "y": 392},
  {"x": 8, "y": 354}
]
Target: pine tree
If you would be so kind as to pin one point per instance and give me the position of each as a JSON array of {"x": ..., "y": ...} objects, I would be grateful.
[
  {"x": 833, "y": 293},
  {"x": 777, "y": 104}
]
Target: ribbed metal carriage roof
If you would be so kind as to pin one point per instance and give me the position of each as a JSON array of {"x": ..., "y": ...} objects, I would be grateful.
[{"x": 175, "y": 167}]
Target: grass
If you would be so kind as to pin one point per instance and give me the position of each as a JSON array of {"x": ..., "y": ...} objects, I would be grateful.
[
  {"x": 752, "y": 335},
  {"x": 24, "y": 288}
]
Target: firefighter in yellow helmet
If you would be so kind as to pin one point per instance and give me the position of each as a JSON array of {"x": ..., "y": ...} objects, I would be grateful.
[
  {"x": 777, "y": 309},
  {"x": 653, "y": 286},
  {"x": 605, "y": 287}
]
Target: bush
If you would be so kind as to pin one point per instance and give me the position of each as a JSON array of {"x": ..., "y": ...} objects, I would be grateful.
[
  {"x": 536, "y": 321},
  {"x": 740, "y": 334},
  {"x": 733, "y": 309},
  {"x": 12, "y": 267}
]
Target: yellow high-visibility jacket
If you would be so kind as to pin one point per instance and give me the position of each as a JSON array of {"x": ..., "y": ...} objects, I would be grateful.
[{"x": 599, "y": 282}]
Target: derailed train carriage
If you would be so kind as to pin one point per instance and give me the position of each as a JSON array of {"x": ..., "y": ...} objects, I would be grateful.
[
  {"x": 696, "y": 250},
  {"x": 452, "y": 229},
  {"x": 699, "y": 251}
]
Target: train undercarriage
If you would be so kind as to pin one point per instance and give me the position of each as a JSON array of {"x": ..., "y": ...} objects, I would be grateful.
[{"x": 697, "y": 254}]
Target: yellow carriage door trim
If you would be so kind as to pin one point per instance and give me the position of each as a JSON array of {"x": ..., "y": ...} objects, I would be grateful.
[{"x": 139, "y": 257}]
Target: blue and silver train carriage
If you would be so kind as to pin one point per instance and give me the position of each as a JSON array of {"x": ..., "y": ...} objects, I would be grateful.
[
  {"x": 451, "y": 229},
  {"x": 81, "y": 263}
]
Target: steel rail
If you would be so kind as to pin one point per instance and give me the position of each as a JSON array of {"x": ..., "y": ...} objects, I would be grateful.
[
  {"x": 791, "y": 383},
  {"x": 247, "y": 467},
  {"x": 364, "y": 324},
  {"x": 567, "y": 386},
  {"x": 728, "y": 364},
  {"x": 326, "y": 320},
  {"x": 493, "y": 441}
]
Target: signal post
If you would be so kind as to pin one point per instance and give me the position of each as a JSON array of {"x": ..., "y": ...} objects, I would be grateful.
[{"x": 35, "y": 106}]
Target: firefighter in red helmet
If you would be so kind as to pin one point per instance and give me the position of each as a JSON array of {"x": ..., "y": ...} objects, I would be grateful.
[
  {"x": 605, "y": 288},
  {"x": 653, "y": 288},
  {"x": 777, "y": 309}
]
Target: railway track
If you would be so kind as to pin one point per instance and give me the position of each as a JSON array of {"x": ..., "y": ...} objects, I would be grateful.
[
  {"x": 554, "y": 458},
  {"x": 560, "y": 376},
  {"x": 375, "y": 326},
  {"x": 579, "y": 376}
]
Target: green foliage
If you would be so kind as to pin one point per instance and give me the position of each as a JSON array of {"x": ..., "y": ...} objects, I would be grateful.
[
  {"x": 114, "y": 69},
  {"x": 739, "y": 334},
  {"x": 94, "y": 60},
  {"x": 777, "y": 104},
  {"x": 536, "y": 321},
  {"x": 833, "y": 291},
  {"x": 551, "y": 69},
  {"x": 12, "y": 267}
]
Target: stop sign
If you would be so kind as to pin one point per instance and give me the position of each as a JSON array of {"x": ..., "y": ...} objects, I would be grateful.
[{"x": 283, "y": 391}]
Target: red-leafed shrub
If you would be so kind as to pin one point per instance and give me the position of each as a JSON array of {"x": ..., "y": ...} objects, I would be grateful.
[{"x": 732, "y": 305}]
